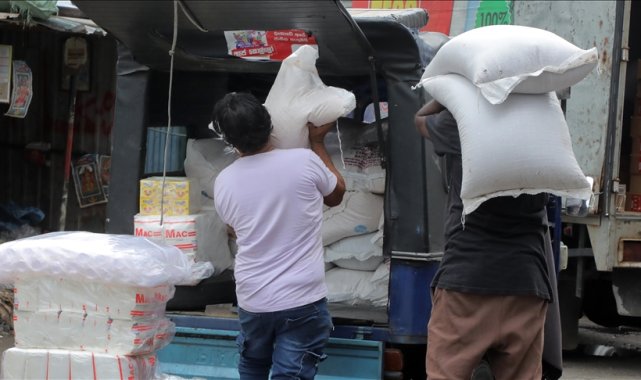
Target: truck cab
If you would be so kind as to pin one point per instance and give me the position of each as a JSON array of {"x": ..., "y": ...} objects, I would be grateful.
[{"x": 377, "y": 55}]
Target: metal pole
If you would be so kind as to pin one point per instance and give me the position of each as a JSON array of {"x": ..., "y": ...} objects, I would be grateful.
[{"x": 68, "y": 149}]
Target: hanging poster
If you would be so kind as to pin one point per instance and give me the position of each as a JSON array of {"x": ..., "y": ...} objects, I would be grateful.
[
  {"x": 86, "y": 178},
  {"x": 5, "y": 73},
  {"x": 273, "y": 45},
  {"x": 22, "y": 90}
]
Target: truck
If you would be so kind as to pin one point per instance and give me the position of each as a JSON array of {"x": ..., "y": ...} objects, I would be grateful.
[{"x": 378, "y": 54}]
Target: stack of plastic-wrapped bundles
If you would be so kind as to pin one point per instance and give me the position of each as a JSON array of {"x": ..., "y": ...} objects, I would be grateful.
[
  {"x": 89, "y": 305},
  {"x": 500, "y": 83}
]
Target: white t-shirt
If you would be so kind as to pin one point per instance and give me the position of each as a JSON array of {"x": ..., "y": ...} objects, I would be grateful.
[{"x": 274, "y": 202}]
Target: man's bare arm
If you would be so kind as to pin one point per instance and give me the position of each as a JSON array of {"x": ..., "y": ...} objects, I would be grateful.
[
  {"x": 428, "y": 109},
  {"x": 317, "y": 144}
]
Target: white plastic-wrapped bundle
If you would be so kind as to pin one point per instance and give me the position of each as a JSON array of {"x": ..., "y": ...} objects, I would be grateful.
[
  {"x": 113, "y": 300},
  {"x": 202, "y": 237},
  {"x": 356, "y": 252},
  {"x": 358, "y": 214},
  {"x": 521, "y": 146},
  {"x": 85, "y": 332},
  {"x": 28, "y": 364},
  {"x": 505, "y": 59},
  {"x": 298, "y": 96},
  {"x": 105, "y": 258}
]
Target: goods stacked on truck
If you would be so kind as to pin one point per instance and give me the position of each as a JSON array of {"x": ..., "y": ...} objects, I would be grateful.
[
  {"x": 499, "y": 83},
  {"x": 633, "y": 198},
  {"x": 89, "y": 305},
  {"x": 197, "y": 231},
  {"x": 356, "y": 273}
]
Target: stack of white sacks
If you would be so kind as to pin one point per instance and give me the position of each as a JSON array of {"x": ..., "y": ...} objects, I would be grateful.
[
  {"x": 499, "y": 83},
  {"x": 89, "y": 305},
  {"x": 353, "y": 231}
]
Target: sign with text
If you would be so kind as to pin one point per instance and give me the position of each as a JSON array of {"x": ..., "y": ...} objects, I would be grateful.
[
  {"x": 439, "y": 11},
  {"x": 272, "y": 45}
]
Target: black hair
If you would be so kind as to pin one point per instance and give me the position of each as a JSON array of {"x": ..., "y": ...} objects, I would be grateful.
[{"x": 242, "y": 121}]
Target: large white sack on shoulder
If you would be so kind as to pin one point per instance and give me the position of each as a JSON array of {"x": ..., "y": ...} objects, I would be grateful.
[
  {"x": 358, "y": 214},
  {"x": 298, "y": 95},
  {"x": 205, "y": 159},
  {"x": 521, "y": 146},
  {"x": 504, "y": 59},
  {"x": 356, "y": 252},
  {"x": 105, "y": 258}
]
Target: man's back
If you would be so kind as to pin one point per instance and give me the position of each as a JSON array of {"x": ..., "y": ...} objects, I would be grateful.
[{"x": 273, "y": 200}]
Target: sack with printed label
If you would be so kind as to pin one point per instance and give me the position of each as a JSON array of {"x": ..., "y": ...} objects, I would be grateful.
[
  {"x": 504, "y": 59},
  {"x": 298, "y": 96}
]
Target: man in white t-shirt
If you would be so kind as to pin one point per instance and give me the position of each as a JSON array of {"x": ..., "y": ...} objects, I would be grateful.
[{"x": 273, "y": 200}]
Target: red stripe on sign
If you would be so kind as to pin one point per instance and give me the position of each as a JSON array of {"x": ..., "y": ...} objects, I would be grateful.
[{"x": 69, "y": 366}]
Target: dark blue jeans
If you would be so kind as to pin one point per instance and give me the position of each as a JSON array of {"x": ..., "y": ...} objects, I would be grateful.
[{"x": 289, "y": 342}]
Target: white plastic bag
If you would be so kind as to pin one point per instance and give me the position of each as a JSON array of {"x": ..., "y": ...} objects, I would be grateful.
[
  {"x": 504, "y": 59},
  {"x": 521, "y": 146},
  {"x": 298, "y": 96},
  {"x": 106, "y": 258},
  {"x": 205, "y": 159}
]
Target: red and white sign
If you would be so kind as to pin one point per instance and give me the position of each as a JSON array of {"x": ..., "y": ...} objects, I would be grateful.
[{"x": 273, "y": 45}]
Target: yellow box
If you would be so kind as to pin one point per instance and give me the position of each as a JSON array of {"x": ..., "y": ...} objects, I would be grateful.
[{"x": 181, "y": 196}]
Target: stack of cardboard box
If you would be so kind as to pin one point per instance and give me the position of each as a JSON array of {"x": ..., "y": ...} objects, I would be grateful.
[
  {"x": 634, "y": 195},
  {"x": 197, "y": 232}
]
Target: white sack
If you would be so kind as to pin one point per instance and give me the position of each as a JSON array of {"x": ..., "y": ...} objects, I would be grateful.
[
  {"x": 358, "y": 214},
  {"x": 354, "y": 150},
  {"x": 28, "y": 364},
  {"x": 110, "y": 300},
  {"x": 357, "y": 253},
  {"x": 521, "y": 146},
  {"x": 77, "y": 331},
  {"x": 298, "y": 95},
  {"x": 205, "y": 159},
  {"x": 106, "y": 258},
  {"x": 355, "y": 287},
  {"x": 202, "y": 237},
  {"x": 504, "y": 59}
]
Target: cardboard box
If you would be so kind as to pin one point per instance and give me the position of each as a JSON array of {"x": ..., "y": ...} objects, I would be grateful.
[
  {"x": 635, "y": 126},
  {"x": 181, "y": 196},
  {"x": 635, "y": 183},
  {"x": 633, "y": 202}
]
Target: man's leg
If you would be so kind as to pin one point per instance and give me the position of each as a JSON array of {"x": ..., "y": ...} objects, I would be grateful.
[
  {"x": 519, "y": 349},
  {"x": 301, "y": 336},
  {"x": 461, "y": 329},
  {"x": 255, "y": 345}
]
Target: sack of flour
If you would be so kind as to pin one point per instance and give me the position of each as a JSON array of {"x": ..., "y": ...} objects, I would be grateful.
[
  {"x": 504, "y": 59},
  {"x": 521, "y": 146},
  {"x": 356, "y": 252},
  {"x": 358, "y": 214},
  {"x": 298, "y": 96}
]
